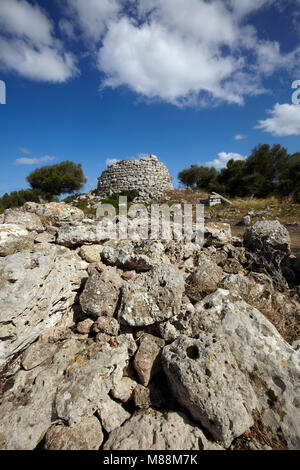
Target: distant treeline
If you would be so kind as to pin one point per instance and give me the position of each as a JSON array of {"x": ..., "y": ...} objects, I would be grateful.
[
  {"x": 47, "y": 183},
  {"x": 266, "y": 172}
]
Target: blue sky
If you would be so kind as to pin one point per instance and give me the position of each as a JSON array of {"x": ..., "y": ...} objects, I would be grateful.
[{"x": 191, "y": 81}]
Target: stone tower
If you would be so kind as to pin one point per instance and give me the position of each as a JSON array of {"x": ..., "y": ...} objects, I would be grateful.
[{"x": 149, "y": 176}]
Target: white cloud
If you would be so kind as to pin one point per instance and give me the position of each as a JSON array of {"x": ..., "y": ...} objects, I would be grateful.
[
  {"x": 223, "y": 159},
  {"x": 28, "y": 45},
  {"x": 161, "y": 64},
  {"x": 91, "y": 16},
  {"x": 239, "y": 137},
  {"x": 33, "y": 161},
  {"x": 284, "y": 120},
  {"x": 190, "y": 52},
  {"x": 111, "y": 161}
]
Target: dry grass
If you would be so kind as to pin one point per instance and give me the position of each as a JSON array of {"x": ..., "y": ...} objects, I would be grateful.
[
  {"x": 261, "y": 434},
  {"x": 286, "y": 323}
]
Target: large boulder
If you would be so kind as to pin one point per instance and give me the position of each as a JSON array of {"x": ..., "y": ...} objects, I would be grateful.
[
  {"x": 72, "y": 236},
  {"x": 36, "y": 289},
  {"x": 29, "y": 221},
  {"x": 68, "y": 388},
  {"x": 205, "y": 378},
  {"x": 270, "y": 363},
  {"x": 160, "y": 431},
  {"x": 268, "y": 234},
  {"x": 14, "y": 239},
  {"x": 55, "y": 213},
  {"x": 152, "y": 297}
]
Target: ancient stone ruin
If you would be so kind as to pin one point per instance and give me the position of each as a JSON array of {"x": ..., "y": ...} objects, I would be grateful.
[{"x": 149, "y": 176}]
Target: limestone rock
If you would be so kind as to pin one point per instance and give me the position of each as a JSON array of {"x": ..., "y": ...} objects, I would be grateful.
[
  {"x": 111, "y": 414},
  {"x": 204, "y": 279},
  {"x": 152, "y": 297},
  {"x": 94, "y": 373},
  {"x": 56, "y": 213},
  {"x": 78, "y": 235},
  {"x": 71, "y": 388},
  {"x": 14, "y": 239},
  {"x": 91, "y": 253},
  {"x": 205, "y": 379},
  {"x": 160, "y": 431},
  {"x": 147, "y": 361},
  {"x": 256, "y": 293},
  {"x": 107, "y": 325},
  {"x": 216, "y": 234},
  {"x": 36, "y": 289},
  {"x": 124, "y": 260},
  {"x": 102, "y": 292},
  {"x": 123, "y": 391},
  {"x": 29, "y": 221},
  {"x": 268, "y": 233},
  {"x": 147, "y": 397},
  {"x": 86, "y": 435},
  {"x": 85, "y": 326},
  {"x": 37, "y": 354},
  {"x": 272, "y": 365}
]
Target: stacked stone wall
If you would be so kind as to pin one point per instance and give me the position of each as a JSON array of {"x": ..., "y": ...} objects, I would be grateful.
[{"x": 149, "y": 176}]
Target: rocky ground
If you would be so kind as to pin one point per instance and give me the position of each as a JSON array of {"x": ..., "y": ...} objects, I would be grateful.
[{"x": 149, "y": 345}]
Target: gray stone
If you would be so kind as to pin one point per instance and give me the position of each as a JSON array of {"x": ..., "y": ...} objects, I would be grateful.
[
  {"x": 111, "y": 414},
  {"x": 91, "y": 253},
  {"x": 204, "y": 279},
  {"x": 55, "y": 213},
  {"x": 36, "y": 289},
  {"x": 37, "y": 354},
  {"x": 102, "y": 292},
  {"x": 85, "y": 326},
  {"x": 216, "y": 234},
  {"x": 107, "y": 325},
  {"x": 78, "y": 235},
  {"x": 147, "y": 361},
  {"x": 160, "y": 431},
  {"x": 271, "y": 364},
  {"x": 205, "y": 379},
  {"x": 14, "y": 239},
  {"x": 268, "y": 234},
  {"x": 86, "y": 435},
  {"x": 123, "y": 390},
  {"x": 29, "y": 221},
  {"x": 152, "y": 297}
]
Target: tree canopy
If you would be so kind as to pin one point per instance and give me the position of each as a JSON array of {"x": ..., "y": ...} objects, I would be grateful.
[
  {"x": 267, "y": 171},
  {"x": 62, "y": 178}
]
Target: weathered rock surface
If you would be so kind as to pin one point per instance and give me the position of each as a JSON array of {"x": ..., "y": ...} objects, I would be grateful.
[
  {"x": 152, "y": 297},
  {"x": 111, "y": 414},
  {"x": 123, "y": 390},
  {"x": 86, "y": 435},
  {"x": 13, "y": 239},
  {"x": 270, "y": 363},
  {"x": 57, "y": 213},
  {"x": 36, "y": 289},
  {"x": 78, "y": 235},
  {"x": 205, "y": 378},
  {"x": 125, "y": 260},
  {"x": 256, "y": 289},
  {"x": 91, "y": 253},
  {"x": 268, "y": 233},
  {"x": 71, "y": 389},
  {"x": 29, "y": 221},
  {"x": 160, "y": 431},
  {"x": 102, "y": 292},
  {"x": 37, "y": 354},
  {"x": 204, "y": 279},
  {"x": 107, "y": 325},
  {"x": 216, "y": 234},
  {"x": 147, "y": 361}
]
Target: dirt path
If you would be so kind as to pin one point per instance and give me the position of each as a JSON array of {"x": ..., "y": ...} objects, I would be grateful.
[{"x": 293, "y": 231}]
